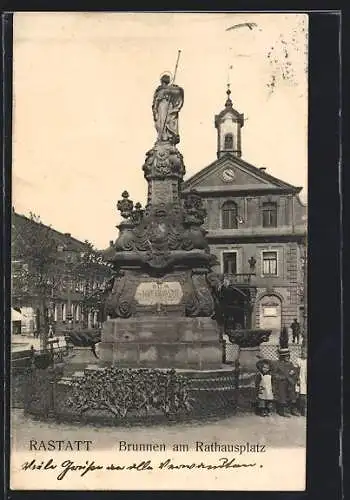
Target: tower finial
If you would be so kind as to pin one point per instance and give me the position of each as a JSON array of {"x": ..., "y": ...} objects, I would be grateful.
[{"x": 228, "y": 102}]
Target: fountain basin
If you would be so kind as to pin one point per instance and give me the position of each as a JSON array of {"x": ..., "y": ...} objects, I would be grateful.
[{"x": 137, "y": 396}]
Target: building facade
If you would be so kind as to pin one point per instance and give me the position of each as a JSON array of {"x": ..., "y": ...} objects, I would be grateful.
[
  {"x": 256, "y": 227},
  {"x": 65, "y": 294}
]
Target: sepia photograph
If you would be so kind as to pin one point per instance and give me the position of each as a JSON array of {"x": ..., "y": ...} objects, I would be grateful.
[{"x": 159, "y": 316}]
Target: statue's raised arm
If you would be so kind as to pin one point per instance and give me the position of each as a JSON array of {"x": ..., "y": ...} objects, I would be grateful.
[{"x": 168, "y": 99}]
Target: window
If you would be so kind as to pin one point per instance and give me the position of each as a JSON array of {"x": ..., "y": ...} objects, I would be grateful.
[
  {"x": 270, "y": 263},
  {"x": 228, "y": 141},
  {"x": 229, "y": 260},
  {"x": 269, "y": 210},
  {"x": 229, "y": 215},
  {"x": 95, "y": 320},
  {"x": 77, "y": 313},
  {"x": 64, "y": 312}
]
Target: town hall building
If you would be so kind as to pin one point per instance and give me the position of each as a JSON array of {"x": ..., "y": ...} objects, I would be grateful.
[{"x": 256, "y": 227}]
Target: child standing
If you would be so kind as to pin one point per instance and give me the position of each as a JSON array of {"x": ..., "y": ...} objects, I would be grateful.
[
  {"x": 284, "y": 379},
  {"x": 263, "y": 384},
  {"x": 301, "y": 363}
]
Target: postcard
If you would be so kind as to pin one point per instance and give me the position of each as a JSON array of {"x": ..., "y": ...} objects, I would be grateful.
[{"x": 159, "y": 251}]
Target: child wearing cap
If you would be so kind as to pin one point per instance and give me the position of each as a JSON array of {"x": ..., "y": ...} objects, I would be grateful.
[{"x": 284, "y": 378}]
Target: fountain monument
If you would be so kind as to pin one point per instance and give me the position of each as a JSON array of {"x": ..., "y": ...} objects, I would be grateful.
[
  {"x": 161, "y": 307},
  {"x": 161, "y": 349}
]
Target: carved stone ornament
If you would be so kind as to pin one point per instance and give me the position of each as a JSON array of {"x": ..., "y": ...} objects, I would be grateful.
[
  {"x": 200, "y": 301},
  {"x": 119, "y": 300},
  {"x": 158, "y": 234},
  {"x": 164, "y": 160},
  {"x": 125, "y": 206},
  {"x": 195, "y": 213},
  {"x": 137, "y": 214}
]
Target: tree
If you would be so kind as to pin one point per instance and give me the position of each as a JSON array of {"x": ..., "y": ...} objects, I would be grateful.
[
  {"x": 44, "y": 265},
  {"x": 95, "y": 273},
  {"x": 35, "y": 266}
]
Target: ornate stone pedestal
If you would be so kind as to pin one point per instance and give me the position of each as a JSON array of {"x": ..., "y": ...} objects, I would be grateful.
[
  {"x": 159, "y": 342},
  {"x": 164, "y": 321},
  {"x": 249, "y": 342}
]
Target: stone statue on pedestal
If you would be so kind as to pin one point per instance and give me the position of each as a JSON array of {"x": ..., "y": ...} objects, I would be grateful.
[
  {"x": 168, "y": 99},
  {"x": 161, "y": 307}
]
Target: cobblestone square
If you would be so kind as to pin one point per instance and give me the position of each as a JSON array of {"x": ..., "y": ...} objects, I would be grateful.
[{"x": 273, "y": 431}]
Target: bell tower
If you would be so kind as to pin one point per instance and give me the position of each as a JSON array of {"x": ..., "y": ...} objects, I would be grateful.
[{"x": 228, "y": 124}]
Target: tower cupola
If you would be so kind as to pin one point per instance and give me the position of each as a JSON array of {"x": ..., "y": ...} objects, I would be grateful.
[{"x": 228, "y": 124}]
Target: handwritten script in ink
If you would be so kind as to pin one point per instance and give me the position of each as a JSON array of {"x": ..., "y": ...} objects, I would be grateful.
[{"x": 68, "y": 467}]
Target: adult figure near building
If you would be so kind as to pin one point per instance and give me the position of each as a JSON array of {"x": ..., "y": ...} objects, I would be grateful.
[
  {"x": 50, "y": 331},
  {"x": 168, "y": 99},
  {"x": 295, "y": 326}
]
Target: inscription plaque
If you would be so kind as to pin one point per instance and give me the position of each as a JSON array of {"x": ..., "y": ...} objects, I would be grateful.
[{"x": 165, "y": 293}]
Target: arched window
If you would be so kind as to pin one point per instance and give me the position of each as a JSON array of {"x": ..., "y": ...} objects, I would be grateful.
[
  {"x": 229, "y": 215},
  {"x": 269, "y": 210},
  {"x": 228, "y": 141}
]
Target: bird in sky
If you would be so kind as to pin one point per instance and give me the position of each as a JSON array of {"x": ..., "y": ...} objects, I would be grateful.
[{"x": 242, "y": 25}]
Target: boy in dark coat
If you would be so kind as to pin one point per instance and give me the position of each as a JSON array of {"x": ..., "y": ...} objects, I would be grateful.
[{"x": 284, "y": 378}]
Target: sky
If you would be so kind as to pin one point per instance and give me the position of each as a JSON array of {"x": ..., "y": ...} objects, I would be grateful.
[{"x": 83, "y": 85}]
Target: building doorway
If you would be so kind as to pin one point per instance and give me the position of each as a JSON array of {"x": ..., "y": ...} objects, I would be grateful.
[{"x": 235, "y": 305}]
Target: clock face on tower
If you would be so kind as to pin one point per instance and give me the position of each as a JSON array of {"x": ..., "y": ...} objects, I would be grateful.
[{"x": 228, "y": 175}]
